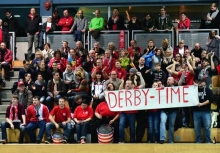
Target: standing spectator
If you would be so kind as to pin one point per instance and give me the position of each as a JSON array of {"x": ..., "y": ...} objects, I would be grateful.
[
  {"x": 5, "y": 60},
  {"x": 163, "y": 22},
  {"x": 56, "y": 19},
  {"x": 37, "y": 117},
  {"x": 80, "y": 51},
  {"x": 89, "y": 62},
  {"x": 4, "y": 35},
  {"x": 79, "y": 26},
  {"x": 59, "y": 118},
  {"x": 99, "y": 67},
  {"x": 134, "y": 23},
  {"x": 202, "y": 112},
  {"x": 184, "y": 22},
  {"x": 98, "y": 50},
  {"x": 11, "y": 23},
  {"x": 213, "y": 43},
  {"x": 131, "y": 49},
  {"x": 15, "y": 119},
  {"x": 33, "y": 29},
  {"x": 121, "y": 73},
  {"x": 25, "y": 70},
  {"x": 116, "y": 21},
  {"x": 148, "y": 23},
  {"x": 96, "y": 25},
  {"x": 66, "y": 22}
]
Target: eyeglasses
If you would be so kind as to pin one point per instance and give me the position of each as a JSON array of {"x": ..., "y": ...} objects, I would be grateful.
[
  {"x": 113, "y": 74},
  {"x": 177, "y": 56}
]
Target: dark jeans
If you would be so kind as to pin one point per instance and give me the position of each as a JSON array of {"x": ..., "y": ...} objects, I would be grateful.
[
  {"x": 6, "y": 67},
  {"x": 49, "y": 101},
  {"x": 67, "y": 129},
  {"x": 105, "y": 120},
  {"x": 77, "y": 35},
  {"x": 32, "y": 38},
  {"x": 32, "y": 126},
  {"x": 5, "y": 125},
  {"x": 81, "y": 130},
  {"x": 186, "y": 115},
  {"x": 141, "y": 120},
  {"x": 153, "y": 120}
]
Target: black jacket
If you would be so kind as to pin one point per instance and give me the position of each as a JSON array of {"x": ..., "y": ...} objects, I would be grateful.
[
  {"x": 119, "y": 23},
  {"x": 12, "y": 24},
  {"x": 33, "y": 26},
  {"x": 146, "y": 25},
  {"x": 44, "y": 27},
  {"x": 134, "y": 26}
]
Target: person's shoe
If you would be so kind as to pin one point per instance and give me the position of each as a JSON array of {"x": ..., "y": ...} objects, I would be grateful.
[
  {"x": 3, "y": 141},
  {"x": 38, "y": 141},
  {"x": 161, "y": 141},
  {"x": 64, "y": 141},
  {"x": 47, "y": 142},
  {"x": 83, "y": 141},
  {"x": 121, "y": 142}
]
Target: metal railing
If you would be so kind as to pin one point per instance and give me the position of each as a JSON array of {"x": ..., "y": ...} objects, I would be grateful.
[{"x": 12, "y": 43}]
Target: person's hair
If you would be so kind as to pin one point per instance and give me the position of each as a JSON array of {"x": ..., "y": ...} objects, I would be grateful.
[
  {"x": 118, "y": 61},
  {"x": 48, "y": 44},
  {"x": 36, "y": 97},
  {"x": 15, "y": 96},
  {"x": 116, "y": 8},
  {"x": 77, "y": 97},
  {"x": 112, "y": 44},
  {"x": 97, "y": 44},
  {"x": 65, "y": 41},
  {"x": 163, "y": 7},
  {"x": 165, "y": 41},
  {"x": 40, "y": 53},
  {"x": 100, "y": 73},
  {"x": 74, "y": 50},
  {"x": 98, "y": 10},
  {"x": 25, "y": 61},
  {"x": 62, "y": 98},
  {"x": 161, "y": 52},
  {"x": 134, "y": 41},
  {"x": 78, "y": 73},
  {"x": 214, "y": 5},
  {"x": 26, "y": 74},
  {"x": 210, "y": 33},
  {"x": 150, "y": 40},
  {"x": 40, "y": 74},
  {"x": 181, "y": 58},
  {"x": 55, "y": 11},
  {"x": 146, "y": 14},
  {"x": 181, "y": 41},
  {"x": 183, "y": 13},
  {"x": 8, "y": 11},
  {"x": 124, "y": 51},
  {"x": 57, "y": 52},
  {"x": 98, "y": 59},
  {"x": 70, "y": 64},
  {"x": 54, "y": 73},
  {"x": 66, "y": 10},
  {"x": 112, "y": 85},
  {"x": 158, "y": 64},
  {"x": 80, "y": 10}
]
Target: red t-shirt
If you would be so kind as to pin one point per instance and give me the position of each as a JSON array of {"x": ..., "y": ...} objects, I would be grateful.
[
  {"x": 61, "y": 115},
  {"x": 121, "y": 73},
  {"x": 177, "y": 77},
  {"x": 83, "y": 114},
  {"x": 189, "y": 78},
  {"x": 104, "y": 110}
]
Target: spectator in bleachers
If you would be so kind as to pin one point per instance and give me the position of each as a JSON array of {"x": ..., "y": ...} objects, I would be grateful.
[
  {"x": 48, "y": 26},
  {"x": 98, "y": 50},
  {"x": 5, "y": 60},
  {"x": 131, "y": 48},
  {"x": 42, "y": 70},
  {"x": 159, "y": 74},
  {"x": 80, "y": 51},
  {"x": 61, "y": 61},
  {"x": 47, "y": 53},
  {"x": 82, "y": 85},
  {"x": 180, "y": 48},
  {"x": 56, "y": 88},
  {"x": 163, "y": 22},
  {"x": 79, "y": 26},
  {"x": 184, "y": 22},
  {"x": 77, "y": 101},
  {"x": 26, "y": 69},
  {"x": 148, "y": 23},
  {"x": 134, "y": 23},
  {"x": 54, "y": 68},
  {"x": 113, "y": 49},
  {"x": 96, "y": 25},
  {"x": 166, "y": 61},
  {"x": 174, "y": 70},
  {"x": 38, "y": 58},
  {"x": 100, "y": 67},
  {"x": 116, "y": 21},
  {"x": 121, "y": 73},
  {"x": 37, "y": 117},
  {"x": 137, "y": 55},
  {"x": 33, "y": 29},
  {"x": 83, "y": 114},
  {"x": 89, "y": 62},
  {"x": 201, "y": 113},
  {"x": 39, "y": 88},
  {"x": 56, "y": 19},
  {"x": 65, "y": 49},
  {"x": 59, "y": 117},
  {"x": 125, "y": 60},
  {"x": 68, "y": 77},
  {"x": 66, "y": 22},
  {"x": 150, "y": 47},
  {"x": 113, "y": 79},
  {"x": 11, "y": 23},
  {"x": 157, "y": 58},
  {"x": 166, "y": 46},
  {"x": 24, "y": 95},
  {"x": 179, "y": 59},
  {"x": 134, "y": 77},
  {"x": 15, "y": 119},
  {"x": 4, "y": 35},
  {"x": 84, "y": 74},
  {"x": 197, "y": 50},
  {"x": 28, "y": 82},
  {"x": 212, "y": 43},
  {"x": 108, "y": 60},
  {"x": 74, "y": 59}
]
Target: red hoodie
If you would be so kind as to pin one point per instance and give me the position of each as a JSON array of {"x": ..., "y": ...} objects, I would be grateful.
[{"x": 66, "y": 23}]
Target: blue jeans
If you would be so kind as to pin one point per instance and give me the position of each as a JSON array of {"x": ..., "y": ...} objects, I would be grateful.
[
  {"x": 163, "y": 119},
  {"x": 81, "y": 130},
  {"x": 5, "y": 125},
  {"x": 67, "y": 129},
  {"x": 131, "y": 121},
  {"x": 202, "y": 118},
  {"x": 153, "y": 119},
  {"x": 32, "y": 126},
  {"x": 77, "y": 35},
  {"x": 49, "y": 101}
]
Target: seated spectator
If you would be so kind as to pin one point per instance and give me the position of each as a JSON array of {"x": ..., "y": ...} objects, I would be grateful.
[
  {"x": 89, "y": 63},
  {"x": 108, "y": 60},
  {"x": 37, "y": 117},
  {"x": 65, "y": 49},
  {"x": 105, "y": 116},
  {"x": 121, "y": 73},
  {"x": 66, "y": 22},
  {"x": 74, "y": 59},
  {"x": 184, "y": 22},
  {"x": 132, "y": 48},
  {"x": 54, "y": 68},
  {"x": 83, "y": 73},
  {"x": 113, "y": 49},
  {"x": 137, "y": 55},
  {"x": 26, "y": 69},
  {"x": 38, "y": 58},
  {"x": 166, "y": 46},
  {"x": 82, "y": 116},
  {"x": 100, "y": 67},
  {"x": 40, "y": 88},
  {"x": 68, "y": 77},
  {"x": 150, "y": 47},
  {"x": 24, "y": 95},
  {"x": 59, "y": 117},
  {"x": 116, "y": 21},
  {"x": 113, "y": 79},
  {"x": 180, "y": 48},
  {"x": 28, "y": 83},
  {"x": 179, "y": 59},
  {"x": 147, "y": 23},
  {"x": 6, "y": 60},
  {"x": 96, "y": 25},
  {"x": 99, "y": 52},
  {"x": 55, "y": 89},
  {"x": 47, "y": 53},
  {"x": 15, "y": 119},
  {"x": 44, "y": 72},
  {"x": 80, "y": 51},
  {"x": 125, "y": 60},
  {"x": 61, "y": 62},
  {"x": 79, "y": 26},
  {"x": 197, "y": 50}
]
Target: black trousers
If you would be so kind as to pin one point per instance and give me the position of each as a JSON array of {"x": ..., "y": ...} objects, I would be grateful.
[
  {"x": 6, "y": 67},
  {"x": 141, "y": 121}
]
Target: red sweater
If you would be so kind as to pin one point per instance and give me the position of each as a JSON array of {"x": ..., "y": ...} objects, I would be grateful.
[
  {"x": 104, "y": 110},
  {"x": 1, "y": 37},
  {"x": 66, "y": 23},
  {"x": 61, "y": 115},
  {"x": 121, "y": 73},
  {"x": 184, "y": 24},
  {"x": 61, "y": 63},
  {"x": 83, "y": 114}
]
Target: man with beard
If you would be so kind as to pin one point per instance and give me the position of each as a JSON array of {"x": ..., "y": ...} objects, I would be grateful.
[{"x": 5, "y": 60}]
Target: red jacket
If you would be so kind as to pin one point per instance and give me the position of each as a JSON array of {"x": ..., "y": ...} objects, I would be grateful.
[
  {"x": 66, "y": 23},
  {"x": 184, "y": 24},
  {"x": 109, "y": 63},
  {"x": 31, "y": 114},
  {"x": 61, "y": 63},
  {"x": 176, "y": 50},
  {"x": 121, "y": 73},
  {"x": 7, "y": 56}
]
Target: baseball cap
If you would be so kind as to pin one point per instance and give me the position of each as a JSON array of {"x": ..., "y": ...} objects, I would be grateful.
[{"x": 20, "y": 83}]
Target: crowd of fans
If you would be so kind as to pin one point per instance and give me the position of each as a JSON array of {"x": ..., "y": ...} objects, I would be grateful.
[{"x": 80, "y": 78}]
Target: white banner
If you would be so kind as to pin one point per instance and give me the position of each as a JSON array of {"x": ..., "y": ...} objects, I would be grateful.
[{"x": 152, "y": 98}]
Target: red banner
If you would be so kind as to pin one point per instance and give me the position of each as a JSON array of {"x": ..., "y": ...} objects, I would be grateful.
[{"x": 122, "y": 40}]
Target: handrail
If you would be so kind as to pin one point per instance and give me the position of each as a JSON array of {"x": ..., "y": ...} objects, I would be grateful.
[{"x": 13, "y": 44}]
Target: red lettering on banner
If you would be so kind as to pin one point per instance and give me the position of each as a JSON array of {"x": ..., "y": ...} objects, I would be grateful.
[
  {"x": 167, "y": 98},
  {"x": 175, "y": 92},
  {"x": 159, "y": 94},
  {"x": 112, "y": 100},
  {"x": 137, "y": 97},
  {"x": 185, "y": 93},
  {"x": 145, "y": 95},
  {"x": 119, "y": 98},
  {"x": 128, "y": 98}
]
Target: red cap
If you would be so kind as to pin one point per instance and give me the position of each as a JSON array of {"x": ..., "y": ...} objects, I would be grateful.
[{"x": 20, "y": 83}]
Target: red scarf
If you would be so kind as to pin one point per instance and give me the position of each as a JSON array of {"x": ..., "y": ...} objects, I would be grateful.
[{"x": 13, "y": 113}]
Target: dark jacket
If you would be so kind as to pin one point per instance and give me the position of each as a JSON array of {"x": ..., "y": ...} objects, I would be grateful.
[
  {"x": 146, "y": 25},
  {"x": 61, "y": 87},
  {"x": 134, "y": 26},
  {"x": 167, "y": 23},
  {"x": 159, "y": 76},
  {"x": 44, "y": 27},
  {"x": 119, "y": 23},
  {"x": 20, "y": 111},
  {"x": 12, "y": 24},
  {"x": 47, "y": 75},
  {"x": 5, "y": 35},
  {"x": 27, "y": 100},
  {"x": 38, "y": 91},
  {"x": 33, "y": 26},
  {"x": 22, "y": 72}
]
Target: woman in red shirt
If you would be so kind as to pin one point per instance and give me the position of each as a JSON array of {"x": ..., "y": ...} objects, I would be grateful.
[
  {"x": 105, "y": 116},
  {"x": 82, "y": 116},
  {"x": 61, "y": 61}
]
